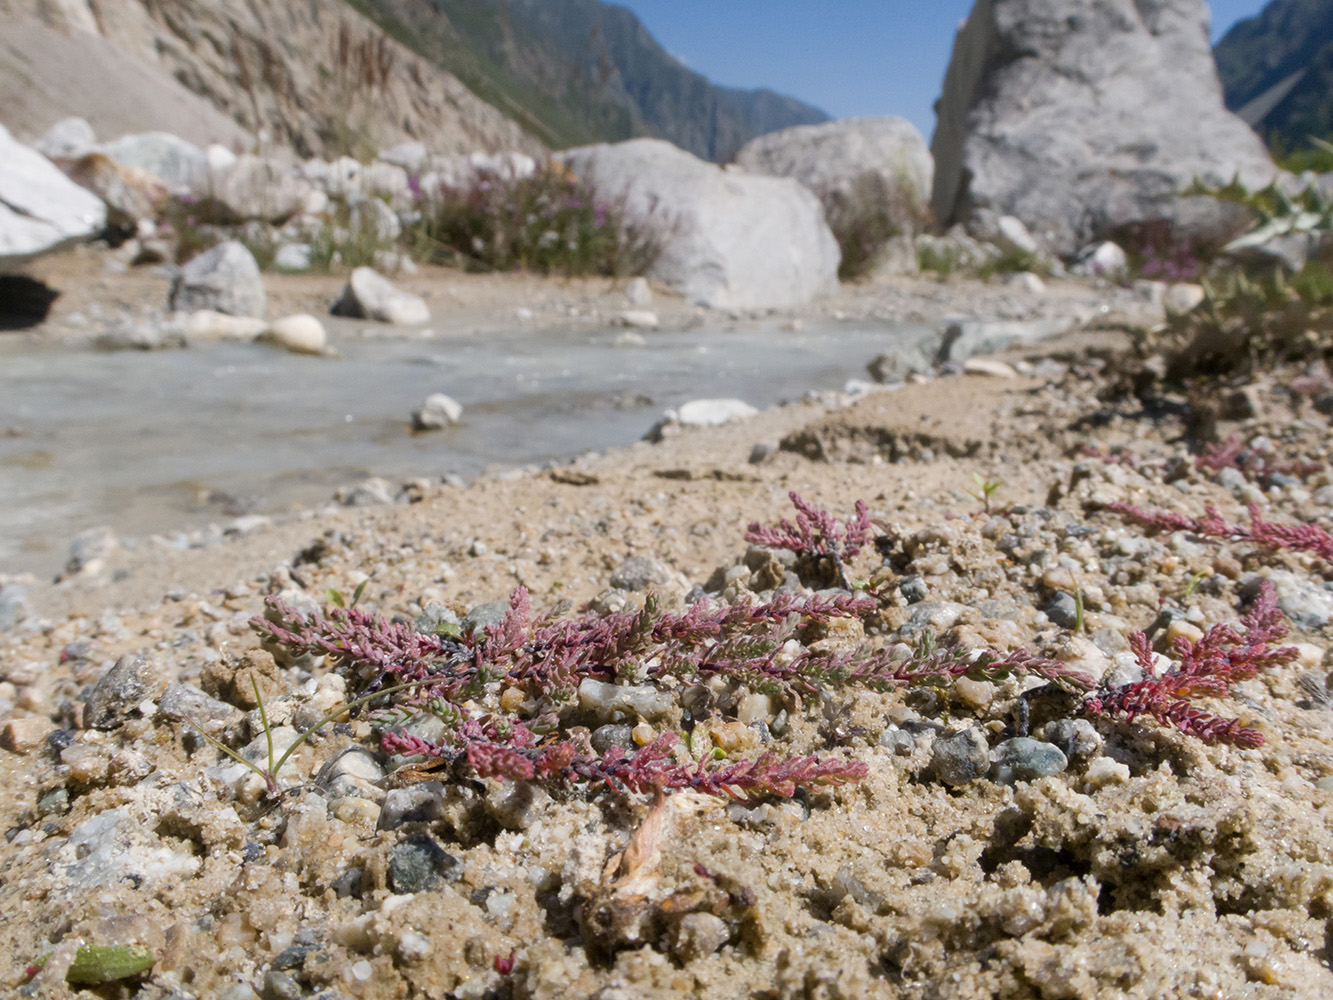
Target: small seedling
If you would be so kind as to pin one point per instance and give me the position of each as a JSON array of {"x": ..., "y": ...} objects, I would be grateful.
[{"x": 986, "y": 488}]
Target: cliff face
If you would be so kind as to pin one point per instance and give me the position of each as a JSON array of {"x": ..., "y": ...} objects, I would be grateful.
[
  {"x": 312, "y": 75},
  {"x": 582, "y": 71},
  {"x": 1277, "y": 70}
]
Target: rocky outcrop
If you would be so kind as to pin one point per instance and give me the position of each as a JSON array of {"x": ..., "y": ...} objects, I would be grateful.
[
  {"x": 873, "y": 176},
  {"x": 727, "y": 239},
  {"x": 313, "y": 75},
  {"x": 1084, "y": 117},
  {"x": 224, "y": 279},
  {"x": 40, "y": 208}
]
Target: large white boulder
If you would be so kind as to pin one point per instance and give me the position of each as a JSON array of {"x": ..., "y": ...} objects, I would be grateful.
[
  {"x": 40, "y": 208},
  {"x": 729, "y": 239},
  {"x": 255, "y": 187},
  {"x": 873, "y": 175},
  {"x": 182, "y": 165},
  {"x": 1084, "y": 117}
]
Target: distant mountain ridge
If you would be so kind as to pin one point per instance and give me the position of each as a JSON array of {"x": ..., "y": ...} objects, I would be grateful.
[
  {"x": 578, "y": 71},
  {"x": 1277, "y": 71}
]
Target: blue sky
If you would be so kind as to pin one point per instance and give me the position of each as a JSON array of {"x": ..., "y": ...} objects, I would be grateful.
[{"x": 853, "y": 57}]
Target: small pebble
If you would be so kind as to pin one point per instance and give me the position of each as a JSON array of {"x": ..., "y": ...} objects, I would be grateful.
[
  {"x": 1026, "y": 759},
  {"x": 23, "y": 736},
  {"x": 960, "y": 758},
  {"x": 1103, "y": 771}
]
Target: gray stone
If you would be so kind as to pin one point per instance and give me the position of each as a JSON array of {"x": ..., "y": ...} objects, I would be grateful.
[
  {"x": 960, "y": 758},
  {"x": 255, "y": 187},
  {"x": 1026, "y": 759},
  {"x": 437, "y": 412},
  {"x": 280, "y": 986},
  {"x": 420, "y": 864},
  {"x": 613, "y": 734},
  {"x": 913, "y": 589},
  {"x": 516, "y": 805},
  {"x": 638, "y": 292},
  {"x": 419, "y": 803},
  {"x": 490, "y": 613},
  {"x": 699, "y": 935},
  {"x": 1102, "y": 260},
  {"x": 294, "y": 257},
  {"x": 729, "y": 240},
  {"x": 114, "y": 846},
  {"x": 224, "y": 279},
  {"x": 13, "y": 605},
  {"x": 183, "y": 165},
  {"x": 1080, "y": 117},
  {"x": 90, "y": 549},
  {"x": 369, "y": 295},
  {"x": 41, "y": 210},
  {"x": 865, "y": 171},
  {"x": 67, "y": 139},
  {"x": 1077, "y": 739},
  {"x": 1062, "y": 611},
  {"x": 1303, "y": 601},
  {"x": 437, "y": 618},
  {"x": 640, "y": 573},
  {"x": 372, "y": 492},
  {"x": 373, "y": 218},
  {"x": 966, "y": 338},
  {"x": 134, "y": 679},
  {"x": 184, "y": 701},
  {"x": 912, "y": 355}
]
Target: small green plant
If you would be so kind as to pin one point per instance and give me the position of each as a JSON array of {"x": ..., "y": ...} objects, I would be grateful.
[
  {"x": 986, "y": 488},
  {"x": 941, "y": 260},
  {"x": 866, "y": 217},
  {"x": 1014, "y": 262}
]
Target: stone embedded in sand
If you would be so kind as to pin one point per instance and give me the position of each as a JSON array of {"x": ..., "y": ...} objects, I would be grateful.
[
  {"x": 23, "y": 736},
  {"x": 960, "y": 758},
  {"x": 641, "y": 572},
  {"x": 134, "y": 679},
  {"x": 419, "y": 864},
  {"x": 1026, "y": 759}
]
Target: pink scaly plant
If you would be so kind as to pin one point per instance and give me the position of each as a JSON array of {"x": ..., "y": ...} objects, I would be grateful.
[
  {"x": 1206, "y": 667},
  {"x": 1298, "y": 537},
  {"x": 817, "y": 535}
]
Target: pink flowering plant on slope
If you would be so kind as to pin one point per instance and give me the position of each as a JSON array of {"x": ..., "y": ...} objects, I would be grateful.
[
  {"x": 817, "y": 537},
  {"x": 1297, "y": 537}
]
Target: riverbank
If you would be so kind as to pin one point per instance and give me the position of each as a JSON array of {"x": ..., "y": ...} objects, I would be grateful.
[{"x": 1133, "y": 860}]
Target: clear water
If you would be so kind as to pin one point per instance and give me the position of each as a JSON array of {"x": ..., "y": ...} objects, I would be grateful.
[{"x": 139, "y": 441}]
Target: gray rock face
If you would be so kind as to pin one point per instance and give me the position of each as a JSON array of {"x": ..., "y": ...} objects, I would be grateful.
[
  {"x": 861, "y": 169},
  {"x": 729, "y": 240},
  {"x": 254, "y": 187},
  {"x": 67, "y": 138},
  {"x": 1080, "y": 117},
  {"x": 41, "y": 210},
  {"x": 133, "y": 679},
  {"x": 224, "y": 279}
]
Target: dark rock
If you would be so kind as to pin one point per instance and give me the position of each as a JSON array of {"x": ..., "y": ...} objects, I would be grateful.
[
  {"x": 1063, "y": 611},
  {"x": 419, "y": 864},
  {"x": 420, "y": 803},
  {"x": 120, "y": 691},
  {"x": 1077, "y": 739},
  {"x": 914, "y": 589},
  {"x": 960, "y": 758}
]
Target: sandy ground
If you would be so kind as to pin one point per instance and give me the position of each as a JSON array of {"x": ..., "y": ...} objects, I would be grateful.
[{"x": 1151, "y": 865}]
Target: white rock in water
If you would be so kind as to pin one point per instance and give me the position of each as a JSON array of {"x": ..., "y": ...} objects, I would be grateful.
[
  {"x": 300, "y": 334},
  {"x": 206, "y": 324},
  {"x": 437, "y": 412},
  {"x": 712, "y": 412},
  {"x": 369, "y": 295}
]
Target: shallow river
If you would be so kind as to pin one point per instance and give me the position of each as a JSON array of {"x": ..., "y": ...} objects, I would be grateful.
[{"x": 155, "y": 443}]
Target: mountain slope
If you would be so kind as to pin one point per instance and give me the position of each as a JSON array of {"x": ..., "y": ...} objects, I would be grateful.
[
  {"x": 579, "y": 71},
  {"x": 312, "y": 75},
  {"x": 1277, "y": 71}
]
